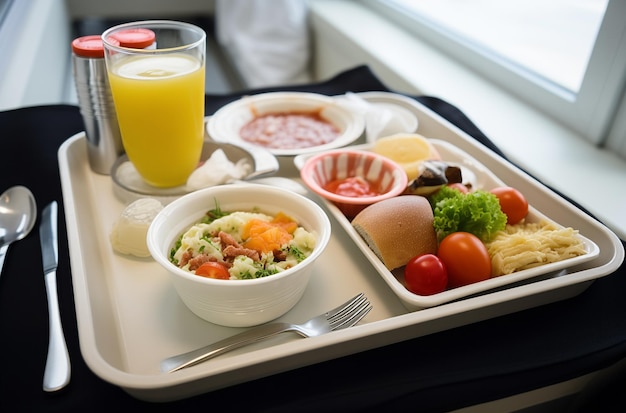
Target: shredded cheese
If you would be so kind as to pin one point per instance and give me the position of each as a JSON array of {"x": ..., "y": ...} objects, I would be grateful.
[{"x": 529, "y": 245}]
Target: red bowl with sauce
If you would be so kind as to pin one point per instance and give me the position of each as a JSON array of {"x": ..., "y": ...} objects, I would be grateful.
[{"x": 353, "y": 179}]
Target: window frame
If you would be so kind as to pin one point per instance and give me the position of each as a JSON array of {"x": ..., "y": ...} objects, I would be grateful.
[{"x": 590, "y": 113}]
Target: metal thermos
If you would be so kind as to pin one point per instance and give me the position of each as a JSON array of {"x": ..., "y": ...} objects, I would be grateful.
[{"x": 104, "y": 141}]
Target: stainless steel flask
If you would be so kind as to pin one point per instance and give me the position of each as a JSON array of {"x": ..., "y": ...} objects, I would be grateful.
[{"x": 104, "y": 141}]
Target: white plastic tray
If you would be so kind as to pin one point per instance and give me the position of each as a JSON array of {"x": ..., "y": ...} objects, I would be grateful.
[{"x": 130, "y": 318}]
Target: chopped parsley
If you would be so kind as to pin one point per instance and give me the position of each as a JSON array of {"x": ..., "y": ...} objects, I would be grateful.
[
  {"x": 295, "y": 251},
  {"x": 213, "y": 214},
  {"x": 174, "y": 249}
]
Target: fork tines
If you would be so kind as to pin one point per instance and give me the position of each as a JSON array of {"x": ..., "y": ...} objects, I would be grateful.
[{"x": 350, "y": 313}]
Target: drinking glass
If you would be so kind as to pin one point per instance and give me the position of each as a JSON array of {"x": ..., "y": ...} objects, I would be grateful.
[{"x": 158, "y": 92}]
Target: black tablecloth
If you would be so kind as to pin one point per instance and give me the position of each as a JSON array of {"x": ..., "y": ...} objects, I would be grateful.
[{"x": 447, "y": 370}]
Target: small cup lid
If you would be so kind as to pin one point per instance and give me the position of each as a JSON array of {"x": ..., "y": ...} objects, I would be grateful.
[
  {"x": 89, "y": 46},
  {"x": 137, "y": 38}
]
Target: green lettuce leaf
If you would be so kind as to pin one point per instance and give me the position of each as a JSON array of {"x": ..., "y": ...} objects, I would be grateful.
[{"x": 477, "y": 212}]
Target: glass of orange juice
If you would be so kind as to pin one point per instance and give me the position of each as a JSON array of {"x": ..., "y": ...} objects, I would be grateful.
[{"x": 158, "y": 92}]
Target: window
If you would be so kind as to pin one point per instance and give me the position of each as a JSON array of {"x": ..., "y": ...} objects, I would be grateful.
[{"x": 566, "y": 57}]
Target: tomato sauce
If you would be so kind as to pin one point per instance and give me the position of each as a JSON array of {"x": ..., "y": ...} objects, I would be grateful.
[
  {"x": 354, "y": 187},
  {"x": 289, "y": 130}
]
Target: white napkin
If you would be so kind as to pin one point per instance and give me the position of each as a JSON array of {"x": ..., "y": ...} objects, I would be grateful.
[
  {"x": 217, "y": 170},
  {"x": 375, "y": 118},
  {"x": 380, "y": 119}
]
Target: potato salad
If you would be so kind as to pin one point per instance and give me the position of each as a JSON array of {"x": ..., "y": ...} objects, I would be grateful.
[{"x": 242, "y": 245}]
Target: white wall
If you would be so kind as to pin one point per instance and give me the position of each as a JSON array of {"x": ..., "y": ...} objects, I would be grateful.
[{"x": 35, "y": 47}]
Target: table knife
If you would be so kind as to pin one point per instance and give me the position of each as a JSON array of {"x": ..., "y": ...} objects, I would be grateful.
[{"x": 57, "y": 370}]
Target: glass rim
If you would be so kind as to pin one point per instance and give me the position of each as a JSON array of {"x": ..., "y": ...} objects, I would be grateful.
[{"x": 154, "y": 25}]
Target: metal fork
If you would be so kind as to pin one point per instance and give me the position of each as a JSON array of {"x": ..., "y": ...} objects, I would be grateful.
[{"x": 344, "y": 316}]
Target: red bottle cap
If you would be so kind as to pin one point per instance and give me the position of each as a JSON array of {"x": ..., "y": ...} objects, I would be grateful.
[
  {"x": 135, "y": 38},
  {"x": 90, "y": 46}
]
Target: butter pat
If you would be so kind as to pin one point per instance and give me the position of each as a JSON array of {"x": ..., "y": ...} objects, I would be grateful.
[{"x": 129, "y": 231}]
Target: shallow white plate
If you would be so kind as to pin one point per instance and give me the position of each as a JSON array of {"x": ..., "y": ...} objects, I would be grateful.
[
  {"x": 225, "y": 124},
  {"x": 482, "y": 178}
]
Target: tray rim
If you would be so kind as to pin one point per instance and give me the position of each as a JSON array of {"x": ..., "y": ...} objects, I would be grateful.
[{"x": 193, "y": 381}]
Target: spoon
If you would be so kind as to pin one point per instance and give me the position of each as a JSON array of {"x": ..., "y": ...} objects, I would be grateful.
[{"x": 18, "y": 213}]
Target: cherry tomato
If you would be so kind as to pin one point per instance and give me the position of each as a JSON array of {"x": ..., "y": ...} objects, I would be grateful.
[
  {"x": 512, "y": 202},
  {"x": 425, "y": 275},
  {"x": 213, "y": 270},
  {"x": 465, "y": 257},
  {"x": 459, "y": 187}
]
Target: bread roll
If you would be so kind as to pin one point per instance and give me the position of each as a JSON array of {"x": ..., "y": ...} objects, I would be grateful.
[{"x": 398, "y": 229}]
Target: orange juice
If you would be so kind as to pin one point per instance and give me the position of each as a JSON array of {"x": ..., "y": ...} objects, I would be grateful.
[{"x": 159, "y": 102}]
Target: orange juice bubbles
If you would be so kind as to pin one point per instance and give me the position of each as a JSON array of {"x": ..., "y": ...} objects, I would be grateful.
[{"x": 159, "y": 100}]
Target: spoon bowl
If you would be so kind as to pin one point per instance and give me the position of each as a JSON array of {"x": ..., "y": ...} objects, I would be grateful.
[{"x": 18, "y": 213}]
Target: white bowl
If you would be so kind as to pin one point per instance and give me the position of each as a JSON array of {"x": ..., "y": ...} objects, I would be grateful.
[
  {"x": 238, "y": 303},
  {"x": 225, "y": 124}
]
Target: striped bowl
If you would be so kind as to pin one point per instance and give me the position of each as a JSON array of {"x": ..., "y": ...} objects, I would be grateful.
[{"x": 384, "y": 175}]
